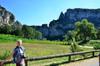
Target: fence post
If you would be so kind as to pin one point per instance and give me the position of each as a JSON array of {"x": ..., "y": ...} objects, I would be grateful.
[
  {"x": 26, "y": 63},
  {"x": 1, "y": 63},
  {"x": 69, "y": 58},
  {"x": 93, "y": 54}
]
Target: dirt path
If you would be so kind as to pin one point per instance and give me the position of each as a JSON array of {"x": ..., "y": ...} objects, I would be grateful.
[{"x": 88, "y": 62}]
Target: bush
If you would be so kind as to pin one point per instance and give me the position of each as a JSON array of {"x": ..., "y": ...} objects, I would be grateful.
[
  {"x": 5, "y": 55},
  {"x": 96, "y": 46},
  {"x": 75, "y": 47}
]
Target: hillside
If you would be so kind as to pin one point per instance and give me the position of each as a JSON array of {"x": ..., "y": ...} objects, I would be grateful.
[
  {"x": 8, "y": 19},
  {"x": 57, "y": 28}
]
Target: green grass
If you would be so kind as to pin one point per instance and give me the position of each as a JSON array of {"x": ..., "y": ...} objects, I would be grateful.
[
  {"x": 35, "y": 50},
  {"x": 13, "y": 38},
  {"x": 94, "y": 43}
]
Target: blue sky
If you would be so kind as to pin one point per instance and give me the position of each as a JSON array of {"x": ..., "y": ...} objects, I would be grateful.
[{"x": 37, "y": 12}]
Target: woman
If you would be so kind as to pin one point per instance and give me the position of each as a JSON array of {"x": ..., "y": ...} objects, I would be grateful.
[{"x": 18, "y": 54}]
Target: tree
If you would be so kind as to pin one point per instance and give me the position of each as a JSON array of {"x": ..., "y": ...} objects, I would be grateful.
[
  {"x": 85, "y": 30},
  {"x": 17, "y": 28},
  {"x": 31, "y": 33},
  {"x": 74, "y": 47},
  {"x": 17, "y": 32},
  {"x": 71, "y": 38},
  {"x": 5, "y": 29},
  {"x": 27, "y": 31},
  {"x": 38, "y": 35}
]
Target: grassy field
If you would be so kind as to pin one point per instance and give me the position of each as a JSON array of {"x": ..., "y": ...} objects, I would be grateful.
[
  {"x": 13, "y": 38},
  {"x": 35, "y": 48}
]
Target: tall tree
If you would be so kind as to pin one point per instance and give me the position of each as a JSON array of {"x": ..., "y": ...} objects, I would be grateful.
[{"x": 85, "y": 30}]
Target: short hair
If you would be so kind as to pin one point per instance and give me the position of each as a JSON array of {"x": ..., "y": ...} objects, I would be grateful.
[{"x": 20, "y": 41}]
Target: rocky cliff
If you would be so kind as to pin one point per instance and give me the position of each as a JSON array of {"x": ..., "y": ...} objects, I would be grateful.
[
  {"x": 66, "y": 21},
  {"x": 6, "y": 17}
]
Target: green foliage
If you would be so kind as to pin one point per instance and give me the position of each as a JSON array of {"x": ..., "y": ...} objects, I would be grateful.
[
  {"x": 37, "y": 34},
  {"x": 5, "y": 29},
  {"x": 17, "y": 32},
  {"x": 23, "y": 31},
  {"x": 17, "y": 29},
  {"x": 71, "y": 35},
  {"x": 30, "y": 33},
  {"x": 96, "y": 46},
  {"x": 12, "y": 38},
  {"x": 5, "y": 55},
  {"x": 9, "y": 38},
  {"x": 27, "y": 31},
  {"x": 74, "y": 47},
  {"x": 85, "y": 30}
]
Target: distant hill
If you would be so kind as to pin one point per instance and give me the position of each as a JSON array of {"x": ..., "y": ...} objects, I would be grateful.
[{"x": 57, "y": 28}]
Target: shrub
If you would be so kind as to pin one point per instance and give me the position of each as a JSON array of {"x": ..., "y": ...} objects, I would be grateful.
[
  {"x": 75, "y": 47},
  {"x": 96, "y": 46},
  {"x": 5, "y": 55}
]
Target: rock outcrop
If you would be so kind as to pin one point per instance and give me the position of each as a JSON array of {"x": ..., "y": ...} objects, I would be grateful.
[
  {"x": 6, "y": 17},
  {"x": 66, "y": 21}
]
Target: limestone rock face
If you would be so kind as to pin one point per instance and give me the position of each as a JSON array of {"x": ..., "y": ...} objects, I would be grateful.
[
  {"x": 66, "y": 21},
  {"x": 73, "y": 15},
  {"x": 5, "y": 16}
]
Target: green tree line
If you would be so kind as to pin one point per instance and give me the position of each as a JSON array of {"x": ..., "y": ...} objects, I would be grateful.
[{"x": 20, "y": 30}]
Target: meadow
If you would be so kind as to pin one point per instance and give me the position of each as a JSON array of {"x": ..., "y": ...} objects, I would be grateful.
[
  {"x": 34, "y": 48},
  {"x": 37, "y": 48}
]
